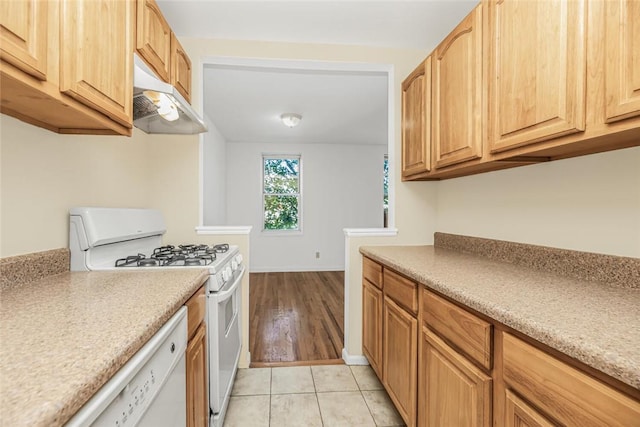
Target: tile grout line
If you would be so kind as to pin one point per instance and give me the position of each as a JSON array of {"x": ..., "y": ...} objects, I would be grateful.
[
  {"x": 315, "y": 392},
  {"x": 362, "y": 395}
]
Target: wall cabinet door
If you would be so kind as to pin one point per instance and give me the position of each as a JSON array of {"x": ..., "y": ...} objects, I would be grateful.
[
  {"x": 416, "y": 121},
  {"x": 622, "y": 59},
  {"x": 180, "y": 69},
  {"x": 23, "y": 35},
  {"x": 399, "y": 358},
  {"x": 453, "y": 391},
  {"x": 372, "y": 325},
  {"x": 197, "y": 380},
  {"x": 537, "y": 71},
  {"x": 457, "y": 93},
  {"x": 153, "y": 39},
  {"x": 96, "y": 45}
]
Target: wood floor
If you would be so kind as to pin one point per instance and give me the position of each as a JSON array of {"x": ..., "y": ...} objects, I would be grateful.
[{"x": 296, "y": 318}]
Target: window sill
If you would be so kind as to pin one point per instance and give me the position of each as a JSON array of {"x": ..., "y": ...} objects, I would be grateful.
[
  {"x": 281, "y": 233},
  {"x": 223, "y": 229}
]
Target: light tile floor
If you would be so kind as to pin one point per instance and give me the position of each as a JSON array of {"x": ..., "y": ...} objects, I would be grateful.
[{"x": 310, "y": 396}]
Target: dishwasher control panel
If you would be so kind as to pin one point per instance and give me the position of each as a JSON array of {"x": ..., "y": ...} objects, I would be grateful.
[{"x": 126, "y": 397}]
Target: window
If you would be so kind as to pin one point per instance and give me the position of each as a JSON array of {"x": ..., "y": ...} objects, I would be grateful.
[{"x": 281, "y": 192}]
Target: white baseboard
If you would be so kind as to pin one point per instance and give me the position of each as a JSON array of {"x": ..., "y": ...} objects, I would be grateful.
[
  {"x": 294, "y": 269},
  {"x": 353, "y": 359}
]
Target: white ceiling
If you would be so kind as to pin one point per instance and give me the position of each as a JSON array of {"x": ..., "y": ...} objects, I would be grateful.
[
  {"x": 419, "y": 24},
  {"x": 337, "y": 107},
  {"x": 245, "y": 103}
]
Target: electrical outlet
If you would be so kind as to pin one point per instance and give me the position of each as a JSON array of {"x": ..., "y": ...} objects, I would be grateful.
[{"x": 317, "y": 255}]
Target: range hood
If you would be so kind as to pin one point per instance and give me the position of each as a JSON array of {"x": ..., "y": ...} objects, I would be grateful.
[{"x": 158, "y": 107}]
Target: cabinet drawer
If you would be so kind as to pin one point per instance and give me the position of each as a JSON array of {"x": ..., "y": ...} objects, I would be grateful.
[
  {"x": 372, "y": 271},
  {"x": 195, "y": 311},
  {"x": 401, "y": 290},
  {"x": 464, "y": 330},
  {"x": 562, "y": 392}
]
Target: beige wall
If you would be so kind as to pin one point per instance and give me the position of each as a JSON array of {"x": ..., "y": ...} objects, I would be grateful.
[
  {"x": 589, "y": 203},
  {"x": 43, "y": 174}
]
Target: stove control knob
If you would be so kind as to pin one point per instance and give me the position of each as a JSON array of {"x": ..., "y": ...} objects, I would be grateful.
[
  {"x": 239, "y": 259},
  {"x": 225, "y": 275},
  {"x": 234, "y": 265},
  {"x": 229, "y": 271}
]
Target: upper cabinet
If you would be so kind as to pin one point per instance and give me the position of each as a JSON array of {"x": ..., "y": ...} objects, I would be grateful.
[
  {"x": 623, "y": 59},
  {"x": 101, "y": 77},
  {"x": 67, "y": 65},
  {"x": 180, "y": 68},
  {"x": 153, "y": 39},
  {"x": 537, "y": 71},
  {"x": 520, "y": 82},
  {"x": 457, "y": 93},
  {"x": 416, "y": 121},
  {"x": 23, "y": 36},
  {"x": 160, "y": 48}
]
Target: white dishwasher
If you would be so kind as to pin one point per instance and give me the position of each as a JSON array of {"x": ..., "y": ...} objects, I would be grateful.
[{"x": 150, "y": 389}]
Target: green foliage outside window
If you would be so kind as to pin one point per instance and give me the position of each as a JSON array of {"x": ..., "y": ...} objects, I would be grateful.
[{"x": 281, "y": 193}]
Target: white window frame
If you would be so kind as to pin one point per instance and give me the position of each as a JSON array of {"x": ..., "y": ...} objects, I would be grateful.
[{"x": 283, "y": 232}]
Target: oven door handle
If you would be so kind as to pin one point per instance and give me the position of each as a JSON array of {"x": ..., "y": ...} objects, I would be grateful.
[{"x": 225, "y": 295}]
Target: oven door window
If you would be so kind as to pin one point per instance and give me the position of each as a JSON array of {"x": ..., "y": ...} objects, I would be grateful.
[{"x": 228, "y": 310}]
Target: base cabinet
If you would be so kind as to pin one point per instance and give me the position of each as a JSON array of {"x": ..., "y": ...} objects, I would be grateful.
[
  {"x": 559, "y": 391},
  {"x": 519, "y": 413},
  {"x": 453, "y": 391},
  {"x": 196, "y": 361},
  {"x": 399, "y": 358},
  {"x": 198, "y": 404},
  {"x": 444, "y": 365},
  {"x": 372, "y": 325}
]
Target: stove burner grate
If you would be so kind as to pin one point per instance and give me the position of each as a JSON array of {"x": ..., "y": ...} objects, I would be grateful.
[
  {"x": 169, "y": 255},
  {"x": 130, "y": 260}
]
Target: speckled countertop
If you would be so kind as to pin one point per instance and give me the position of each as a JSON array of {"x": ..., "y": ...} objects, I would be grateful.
[
  {"x": 62, "y": 337},
  {"x": 593, "y": 322}
]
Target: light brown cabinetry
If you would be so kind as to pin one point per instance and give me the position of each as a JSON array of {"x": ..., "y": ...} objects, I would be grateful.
[
  {"x": 390, "y": 334},
  {"x": 372, "y": 325},
  {"x": 519, "y": 413},
  {"x": 66, "y": 64},
  {"x": 453, "y": 392},
  {"x": 400, "y": 359},
  {"x": 455, "y": 376},
  {"x": 525, "y": 82},
  {"x": 457, "y": 93},
  {"x": 101, "y": 76},
  {"x": 180, "y": 68},
  {"x": 196, "y": 361},
  {"x": 153, "y": 38},
  {"x": 623, "y": 59},
  {"x": 23, "y": 35},
  {"x": 160, "y": 48},
  {"x": 537, "y": 71},
  {"x": 453, "y": 389},
  {"x": 564, "y": 394},
  {"x": 416, "y": 121}
]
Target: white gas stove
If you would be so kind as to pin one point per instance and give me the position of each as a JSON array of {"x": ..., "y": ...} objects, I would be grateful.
[{"x": 124, "y": 239}]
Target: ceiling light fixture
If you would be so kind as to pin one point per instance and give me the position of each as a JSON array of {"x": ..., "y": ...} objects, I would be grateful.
[{"x": 291, "y": 119}]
